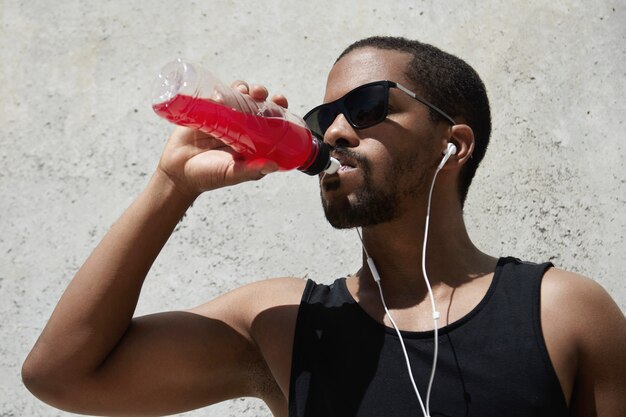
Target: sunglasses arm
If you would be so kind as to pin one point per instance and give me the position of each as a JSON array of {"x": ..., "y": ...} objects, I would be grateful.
[{"x": 426, "y": 103}]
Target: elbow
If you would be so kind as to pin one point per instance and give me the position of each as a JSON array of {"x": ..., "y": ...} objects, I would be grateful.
[
  {"x": 35, "y": 379},
  {"x": 57, "y": 386},
  {"x": 30, "y": 377},
  {"x": 42, "y": 381}
]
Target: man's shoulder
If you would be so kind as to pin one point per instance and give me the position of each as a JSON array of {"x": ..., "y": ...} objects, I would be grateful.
[
  {"x": 253, "y": 298},
  {"x": 570, "y": 288},
  {"x": 262, "y": 310},
  {"x": 579, "y": 304},
  {"x": 273, "y": 291}
]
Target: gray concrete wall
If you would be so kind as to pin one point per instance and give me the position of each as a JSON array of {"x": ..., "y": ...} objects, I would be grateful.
[{"x": 79, "y": 141}]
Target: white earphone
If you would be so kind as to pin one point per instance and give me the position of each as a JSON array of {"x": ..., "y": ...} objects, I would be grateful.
[{"x": 451, "y": 150}]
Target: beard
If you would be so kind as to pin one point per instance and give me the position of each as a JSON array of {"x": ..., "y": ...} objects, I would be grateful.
[{"x": 373, "y": 203}]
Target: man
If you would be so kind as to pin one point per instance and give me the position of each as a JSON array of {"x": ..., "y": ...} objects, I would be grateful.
[{"x": 516, "y": 338}]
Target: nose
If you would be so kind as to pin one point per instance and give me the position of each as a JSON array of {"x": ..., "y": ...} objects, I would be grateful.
[{"x": 341, "y": 133}]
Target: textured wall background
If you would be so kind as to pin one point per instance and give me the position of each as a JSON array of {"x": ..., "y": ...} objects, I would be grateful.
[{"x": 79, "y": 141}]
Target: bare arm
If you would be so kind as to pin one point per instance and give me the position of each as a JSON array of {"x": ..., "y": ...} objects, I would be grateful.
[{"x": 93, "y": 358}]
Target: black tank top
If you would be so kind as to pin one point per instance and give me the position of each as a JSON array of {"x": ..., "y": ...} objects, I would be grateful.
[{"x": 492, "y": 362}]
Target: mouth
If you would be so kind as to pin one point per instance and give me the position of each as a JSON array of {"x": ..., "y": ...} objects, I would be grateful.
[{"x": 347, "y": 163}]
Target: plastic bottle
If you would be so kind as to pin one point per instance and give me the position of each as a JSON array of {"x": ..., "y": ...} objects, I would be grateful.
[{"x": 189, "y": 95}]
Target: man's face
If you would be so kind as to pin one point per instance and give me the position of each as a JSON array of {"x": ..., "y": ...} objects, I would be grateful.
[{"x": 384, "y": 167}]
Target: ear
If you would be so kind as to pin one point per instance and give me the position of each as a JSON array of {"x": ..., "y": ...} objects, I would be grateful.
[{"x": 462, "y": 136}]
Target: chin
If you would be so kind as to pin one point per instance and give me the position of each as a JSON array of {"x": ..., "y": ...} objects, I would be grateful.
[
  {"x": 337, "y": 213},
  {"x": 365, "y": 209}
]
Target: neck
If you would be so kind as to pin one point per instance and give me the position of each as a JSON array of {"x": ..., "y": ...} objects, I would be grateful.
[{"x": 396, "y": 248}]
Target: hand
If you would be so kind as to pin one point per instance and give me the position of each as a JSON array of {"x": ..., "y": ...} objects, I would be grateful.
[{"x": 196, "y": 162}]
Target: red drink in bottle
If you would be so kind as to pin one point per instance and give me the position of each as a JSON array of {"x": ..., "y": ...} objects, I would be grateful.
[
  {"x": 190, "y": 96},
  {"x": 285, "y": 143}
]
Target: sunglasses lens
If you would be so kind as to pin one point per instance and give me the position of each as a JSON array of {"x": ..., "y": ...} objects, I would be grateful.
[
  {"x": 367, "y": 106},
  {"x": 325, "y": 117},
  {"x": 363, "y": 107},
  {"x": 320, "y": 119}
]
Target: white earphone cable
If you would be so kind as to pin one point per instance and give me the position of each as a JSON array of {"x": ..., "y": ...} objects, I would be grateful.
[
  {"x": 435, "y": 313},
  {"x": 376, "y": 277},
  {"x": 430, "y": 294}
]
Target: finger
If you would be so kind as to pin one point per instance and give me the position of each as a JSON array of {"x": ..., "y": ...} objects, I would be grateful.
[
  {"x": 268, "y": 168},
  {"x": 258, "y": 92},
  {"x": 241, "y": 86},
  {"x": 246, "y": 170},
  {"x": 281, "y": 100},
  {"x": 262, "y": 167}
]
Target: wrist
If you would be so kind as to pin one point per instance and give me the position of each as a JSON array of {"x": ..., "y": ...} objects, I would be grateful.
[{"x": 163, "y": 186}]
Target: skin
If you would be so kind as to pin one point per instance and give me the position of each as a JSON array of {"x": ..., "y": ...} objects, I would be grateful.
[{"x": 94, "y": 357}]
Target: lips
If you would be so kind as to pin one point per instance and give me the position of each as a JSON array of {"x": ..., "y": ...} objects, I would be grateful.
[
  {"x": 346, "y": 168},
  {"x": 347, "y": 163}
]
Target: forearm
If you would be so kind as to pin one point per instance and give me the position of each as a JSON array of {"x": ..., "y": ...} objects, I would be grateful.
[{"x": 96, "y": 308}]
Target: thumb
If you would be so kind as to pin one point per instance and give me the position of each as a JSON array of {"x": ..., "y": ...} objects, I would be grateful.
[{"x": 258, "y": 168}]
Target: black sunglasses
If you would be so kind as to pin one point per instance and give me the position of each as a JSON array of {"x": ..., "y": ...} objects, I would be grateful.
[{"x": 363, "y": 107}]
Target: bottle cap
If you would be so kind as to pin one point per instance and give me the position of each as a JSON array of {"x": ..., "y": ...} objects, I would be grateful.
[
  {"x": 322, "y": 160},
  {"x": 333, "y": 166}
]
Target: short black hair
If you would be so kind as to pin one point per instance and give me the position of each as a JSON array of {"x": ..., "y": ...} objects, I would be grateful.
[{"x": 449, "y": 83}]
